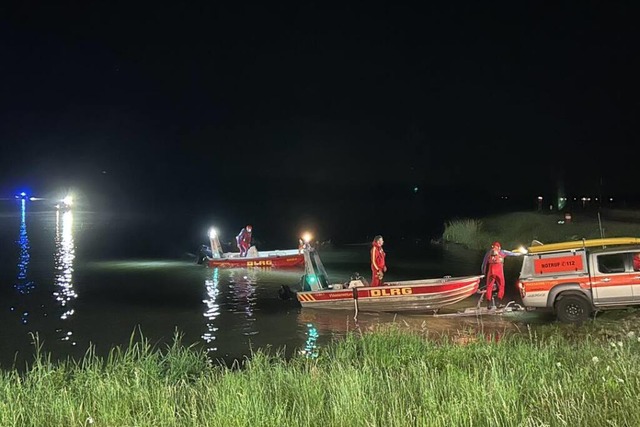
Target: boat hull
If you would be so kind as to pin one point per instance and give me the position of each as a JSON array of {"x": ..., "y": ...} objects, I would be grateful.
[
  {"x": 277, "y": 259},
  {"x": 413, "y": 295}
]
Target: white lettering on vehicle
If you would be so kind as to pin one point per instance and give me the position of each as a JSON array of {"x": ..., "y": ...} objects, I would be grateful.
[{"x": 558, "y": 264}]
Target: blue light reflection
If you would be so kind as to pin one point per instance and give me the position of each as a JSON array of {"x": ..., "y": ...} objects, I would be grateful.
[{"x": 23, "y": 285}]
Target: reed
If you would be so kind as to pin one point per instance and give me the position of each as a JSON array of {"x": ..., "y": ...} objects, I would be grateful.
[
  {"x": 469, "y": 232},
  {"x": 390, "y": 377},
  {"x": 521, "y": 228}
]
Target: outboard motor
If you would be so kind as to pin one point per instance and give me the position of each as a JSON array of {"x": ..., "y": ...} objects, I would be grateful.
[
  {"x": 285, "y": 293},
  {"x": 356, "y": 281},
  {"x": 203, "y": 253}
]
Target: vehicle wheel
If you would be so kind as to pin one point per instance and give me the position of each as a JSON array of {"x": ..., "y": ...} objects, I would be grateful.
[{"x": 573, "y": 309}]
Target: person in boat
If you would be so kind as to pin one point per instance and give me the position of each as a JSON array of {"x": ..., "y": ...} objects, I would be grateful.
[
  {"x": 636, "y": 261},
  {"x": 244, "y": 240},
  {"x": 378, "y": 264},
  {"x": 493, "y": 269}
]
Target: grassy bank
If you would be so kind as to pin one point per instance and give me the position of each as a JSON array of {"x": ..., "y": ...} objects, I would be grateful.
[
  {"x": 521, "y": 228},
  {"x": 387, "y": 378}
]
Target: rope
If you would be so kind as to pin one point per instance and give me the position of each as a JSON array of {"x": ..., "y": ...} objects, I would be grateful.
[{"x": 355, "y": 303}]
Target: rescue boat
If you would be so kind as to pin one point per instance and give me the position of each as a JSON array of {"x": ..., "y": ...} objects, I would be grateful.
[
  {"x": 213, "y": 256},
  {"x": 409, "y": 295},
  {"x": 289, "y": 258}
]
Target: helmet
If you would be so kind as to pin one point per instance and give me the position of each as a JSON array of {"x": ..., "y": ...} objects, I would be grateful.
[
  {"x": 248, "y": 227},
  {"x": 496, "y": 244}
]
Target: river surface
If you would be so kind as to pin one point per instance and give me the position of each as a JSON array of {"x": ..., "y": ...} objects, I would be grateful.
[{"x": 75, "y": 279}]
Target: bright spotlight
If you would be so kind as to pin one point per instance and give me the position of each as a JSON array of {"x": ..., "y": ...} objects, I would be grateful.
[{"x": 213, "y": 233}]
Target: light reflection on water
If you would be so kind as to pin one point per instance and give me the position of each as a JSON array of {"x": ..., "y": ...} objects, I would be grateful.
[
  {"x": 23, "y": 284},
  {"x": 311, "y": 348},
  {"x": 242, "y": 288},
  {"x": 212, "y": 309},
  {"x": 135, "y": 265},
  {"x": 65, "y": 293},
  {"x": 340, "y": 322}
]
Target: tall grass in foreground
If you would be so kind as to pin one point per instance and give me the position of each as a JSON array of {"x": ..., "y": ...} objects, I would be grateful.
[{"x": 386, "y": 378}]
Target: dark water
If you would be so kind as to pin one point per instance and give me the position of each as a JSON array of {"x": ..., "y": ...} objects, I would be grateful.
[{"x": 80, "y": 278}]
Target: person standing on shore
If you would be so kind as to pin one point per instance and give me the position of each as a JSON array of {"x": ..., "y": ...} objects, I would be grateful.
[
  {"x": 378, "y": 264},
  {"x": 493, "y": 269}
]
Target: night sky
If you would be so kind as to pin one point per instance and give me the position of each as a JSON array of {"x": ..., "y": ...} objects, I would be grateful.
[{"x": 381, "y": 111}]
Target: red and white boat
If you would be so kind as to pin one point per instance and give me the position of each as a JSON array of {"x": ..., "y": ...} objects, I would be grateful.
[
  {"x": 213, "y": 256},
  {"x": 290, "y": 258},
  {"x": 409, "y": 295}
]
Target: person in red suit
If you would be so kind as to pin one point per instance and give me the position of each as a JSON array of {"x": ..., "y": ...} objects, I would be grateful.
[
  {"x": 493, "y": 269},
  {"x": 244, "y": 240},
  {"x": 378, "y": 265}
]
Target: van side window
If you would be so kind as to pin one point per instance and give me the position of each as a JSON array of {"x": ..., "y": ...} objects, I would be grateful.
[{"x": 612, "y": 263}]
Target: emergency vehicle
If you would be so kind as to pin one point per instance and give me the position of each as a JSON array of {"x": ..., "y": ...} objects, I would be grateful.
[{"x": 576, "y": 279}]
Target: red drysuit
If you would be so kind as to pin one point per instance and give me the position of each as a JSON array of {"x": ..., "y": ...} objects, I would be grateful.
[
  {"x": 493, "y": 269},
  {"x": 378, "y": 266},
  {"x": 244, "y": 240}
]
